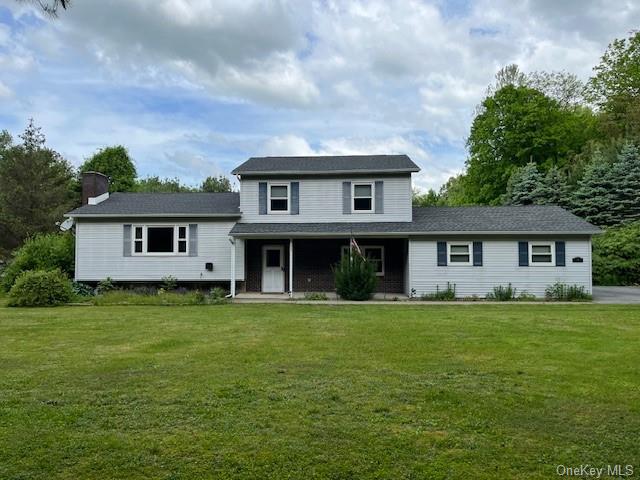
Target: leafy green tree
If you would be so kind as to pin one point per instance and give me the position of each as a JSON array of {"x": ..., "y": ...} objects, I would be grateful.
[
  {"x": 35, "y": 188},
  {"x": 115, "y": 163},
  {"x": 515, "y": 126},
  {"x": 428, "y": 199},
  {"x": 216, "y": 184},
  {"x": 615, "y": 87},
  {"x": 616, "y": 256},
  {"x": 161, "y": 185},
  {"x": 453, "y": 193},
  {"x": 524, "y": 186}
]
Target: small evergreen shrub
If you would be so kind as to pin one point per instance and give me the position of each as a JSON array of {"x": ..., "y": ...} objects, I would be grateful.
[
  {"x": 446, "y": 295},
  {"x": 40, "y": 288},
  {"x": 105, "y": 286},
  {"x": 217, "y": 296},
  {"x": 355, "y": 278},
  {"x": 565, "y": 293},
  {"x": 319, "y": 296},
  {"x": 82, "y": 289},
  {"x": 502, "y": 294},
  {"x": 169, "y": 282},
  {"x": 49, "y": 251}
]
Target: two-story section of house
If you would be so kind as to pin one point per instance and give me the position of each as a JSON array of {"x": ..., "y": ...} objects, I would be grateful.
[{"x": 295, "y": 217}]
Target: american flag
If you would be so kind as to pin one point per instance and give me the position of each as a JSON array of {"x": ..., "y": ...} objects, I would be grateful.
[{"x": 354, "y": 246}]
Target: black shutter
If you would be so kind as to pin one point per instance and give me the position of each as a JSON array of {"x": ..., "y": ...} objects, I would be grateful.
[
  {"x": 477, "y": 254},
  {"x": 126, "y": 241},
  {"x": 523, "y": 254},
  {"x": 295, "y": 198},
  {"x": 346, "y": 198},
  {"x": 442, "y": 254},
  {"x": 262, "y": 198},
  {"x": 560, "y": 255}
]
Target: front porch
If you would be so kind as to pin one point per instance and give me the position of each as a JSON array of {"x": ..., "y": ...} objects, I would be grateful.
[{"x": 296, "y": 266}]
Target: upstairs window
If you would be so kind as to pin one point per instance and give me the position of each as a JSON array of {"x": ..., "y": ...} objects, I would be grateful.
[
  {"x": 279, "y": 198},
  {"x": 363, "y": 197},
  {"x": 459, "y": 253},
  {"x": 160, "y": 240},
  {"x": 541, "y": 253}
]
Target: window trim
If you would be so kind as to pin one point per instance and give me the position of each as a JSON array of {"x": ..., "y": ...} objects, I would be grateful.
[
  {"x": 345, "y": 250},
  {"x": 176, "y": 232},
  {"x": 278, "y": 184},
  {"x": 552, "y": 250},
  {"x": 353, "y": 197},
  {"x": 469, "y": 245}
]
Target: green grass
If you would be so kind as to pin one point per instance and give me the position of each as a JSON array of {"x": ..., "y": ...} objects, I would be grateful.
[{"x": 310, "y": 391}]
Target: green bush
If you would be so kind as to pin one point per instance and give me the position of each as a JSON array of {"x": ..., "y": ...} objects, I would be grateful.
[
  {"x": 446, "y": 295},
  {"x": 82, "y": 289},
  {"x": 319, "y": 296},
  {"x": 616, "y": 256},
  {"x": 49, "y": 251},
  {"x": 217, "y": 296},
  {"x": 355, "y": 278},
  {"x": 502, "y": 294},
  {"x": 40, "y": 288},
  {"x": 105, "y": 286},
  {"x": 565, "y": 293},
  {"x": 127, "y": 297},
  {"x": 169, "y": 282}
]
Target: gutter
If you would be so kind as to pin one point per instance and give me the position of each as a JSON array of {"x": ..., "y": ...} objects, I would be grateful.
[
  {"x": 404, "y": 234},
  {"x": 323, "y": 172},
  {"x": 152, "y": 215}
]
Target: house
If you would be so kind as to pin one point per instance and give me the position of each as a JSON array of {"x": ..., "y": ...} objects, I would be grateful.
[{"x": 294, "y": 217}]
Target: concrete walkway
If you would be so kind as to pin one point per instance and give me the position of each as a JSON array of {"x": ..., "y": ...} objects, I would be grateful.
[{"x": 625, "y": 295}]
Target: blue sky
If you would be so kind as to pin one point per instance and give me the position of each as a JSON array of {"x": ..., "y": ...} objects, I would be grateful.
[{"x": 194, "y": 87}]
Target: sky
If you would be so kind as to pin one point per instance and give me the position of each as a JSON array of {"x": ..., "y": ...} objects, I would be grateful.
[{"x": 195, "y": 87}]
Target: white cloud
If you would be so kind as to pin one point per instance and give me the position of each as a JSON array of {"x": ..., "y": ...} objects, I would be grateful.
[{"x": 5, "y": 91}]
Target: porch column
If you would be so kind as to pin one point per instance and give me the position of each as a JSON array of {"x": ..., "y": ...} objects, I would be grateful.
[
  {"x": 233, "y": 267},
  {"x": 291, "y": 267}
]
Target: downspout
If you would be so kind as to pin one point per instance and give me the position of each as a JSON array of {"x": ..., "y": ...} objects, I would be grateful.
[{"x": 232, "y": 288}]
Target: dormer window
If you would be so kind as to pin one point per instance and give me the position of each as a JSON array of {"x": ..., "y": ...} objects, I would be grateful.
[
  {"x": 278, "y": 198},
  {"x": 363, "y": 197}
]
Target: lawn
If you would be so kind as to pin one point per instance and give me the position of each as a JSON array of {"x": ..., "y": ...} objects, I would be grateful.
[{"x": 306, "y": 391}]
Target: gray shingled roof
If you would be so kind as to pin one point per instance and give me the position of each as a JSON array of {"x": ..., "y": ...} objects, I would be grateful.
[
  {"x": 433, "y": 220},
  {"x": 327, "y": 164},
  {"x": 163, "y": 204}
]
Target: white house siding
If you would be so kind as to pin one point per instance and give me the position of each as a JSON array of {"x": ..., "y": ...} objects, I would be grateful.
[
  {"x": 99, "y": 254},
  {"x": 321, "y": 200},
  {"x": 500, "y": 267}
]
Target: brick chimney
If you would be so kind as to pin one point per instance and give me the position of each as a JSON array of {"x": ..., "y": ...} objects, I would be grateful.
[{"x": 94, "y": 184}]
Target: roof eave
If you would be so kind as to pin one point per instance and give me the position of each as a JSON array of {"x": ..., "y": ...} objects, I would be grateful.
[
  {"x": 324, "y": 172},
  {"x": 408, "y": 233},
  {"x": 152, "y": 215}
]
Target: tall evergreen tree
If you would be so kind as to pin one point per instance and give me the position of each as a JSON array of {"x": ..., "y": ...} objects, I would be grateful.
[
  {"x": 554, "y": 188},
  {"x": 594, "y": 199},
  {"x": 524, "y": 185},
  {"x": 627, "y": 193}
]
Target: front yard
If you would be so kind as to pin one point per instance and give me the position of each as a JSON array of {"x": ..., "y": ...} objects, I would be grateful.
[{"x": 304, "y": 391}]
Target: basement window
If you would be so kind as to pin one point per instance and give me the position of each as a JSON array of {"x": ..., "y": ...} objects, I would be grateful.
[{"x": 160, "y": 240}]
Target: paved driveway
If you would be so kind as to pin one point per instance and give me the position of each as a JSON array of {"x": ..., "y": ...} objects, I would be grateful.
[{"x": 616, "y": 294}]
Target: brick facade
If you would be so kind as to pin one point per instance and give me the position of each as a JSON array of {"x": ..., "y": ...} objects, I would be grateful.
[{"x": 313, "y": 260}]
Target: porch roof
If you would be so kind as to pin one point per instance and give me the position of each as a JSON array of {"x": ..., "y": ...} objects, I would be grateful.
[{"x": 513, "y": 220}]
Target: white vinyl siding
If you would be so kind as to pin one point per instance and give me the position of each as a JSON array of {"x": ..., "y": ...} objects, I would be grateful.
[
  {"x": 500, "y": 267},
  {"x": 321, "y": 201},
  {"x": 99, "y": 254}
]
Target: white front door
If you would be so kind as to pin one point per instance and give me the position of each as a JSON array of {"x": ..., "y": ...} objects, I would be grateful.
[{"x": 273, "y": 269}]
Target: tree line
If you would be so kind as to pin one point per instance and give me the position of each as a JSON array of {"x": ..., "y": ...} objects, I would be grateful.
[{"x": 37, "y": 185}]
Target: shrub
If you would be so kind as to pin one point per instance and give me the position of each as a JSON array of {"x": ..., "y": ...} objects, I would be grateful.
[
  {"x": 565, "y": 293},
  {"x": 616, "y": 256},
  {"x": 526, "y": 296},
  {"x": 82, "y": 289},
  {"x": 502, "y": 294},
  {"x": 105, "y": 286},
  {"x": 40, "y": 288},
  {"x": 315, "y": 296},
  {"x": 446, "y": 295},
  {"x": 49, "y": 251},
  {"x": 217, "y": 296},
  {"x": 169, "y": 282},
  {"x": 355, "y": 278},
  {"x": 127, "y": 297}
]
